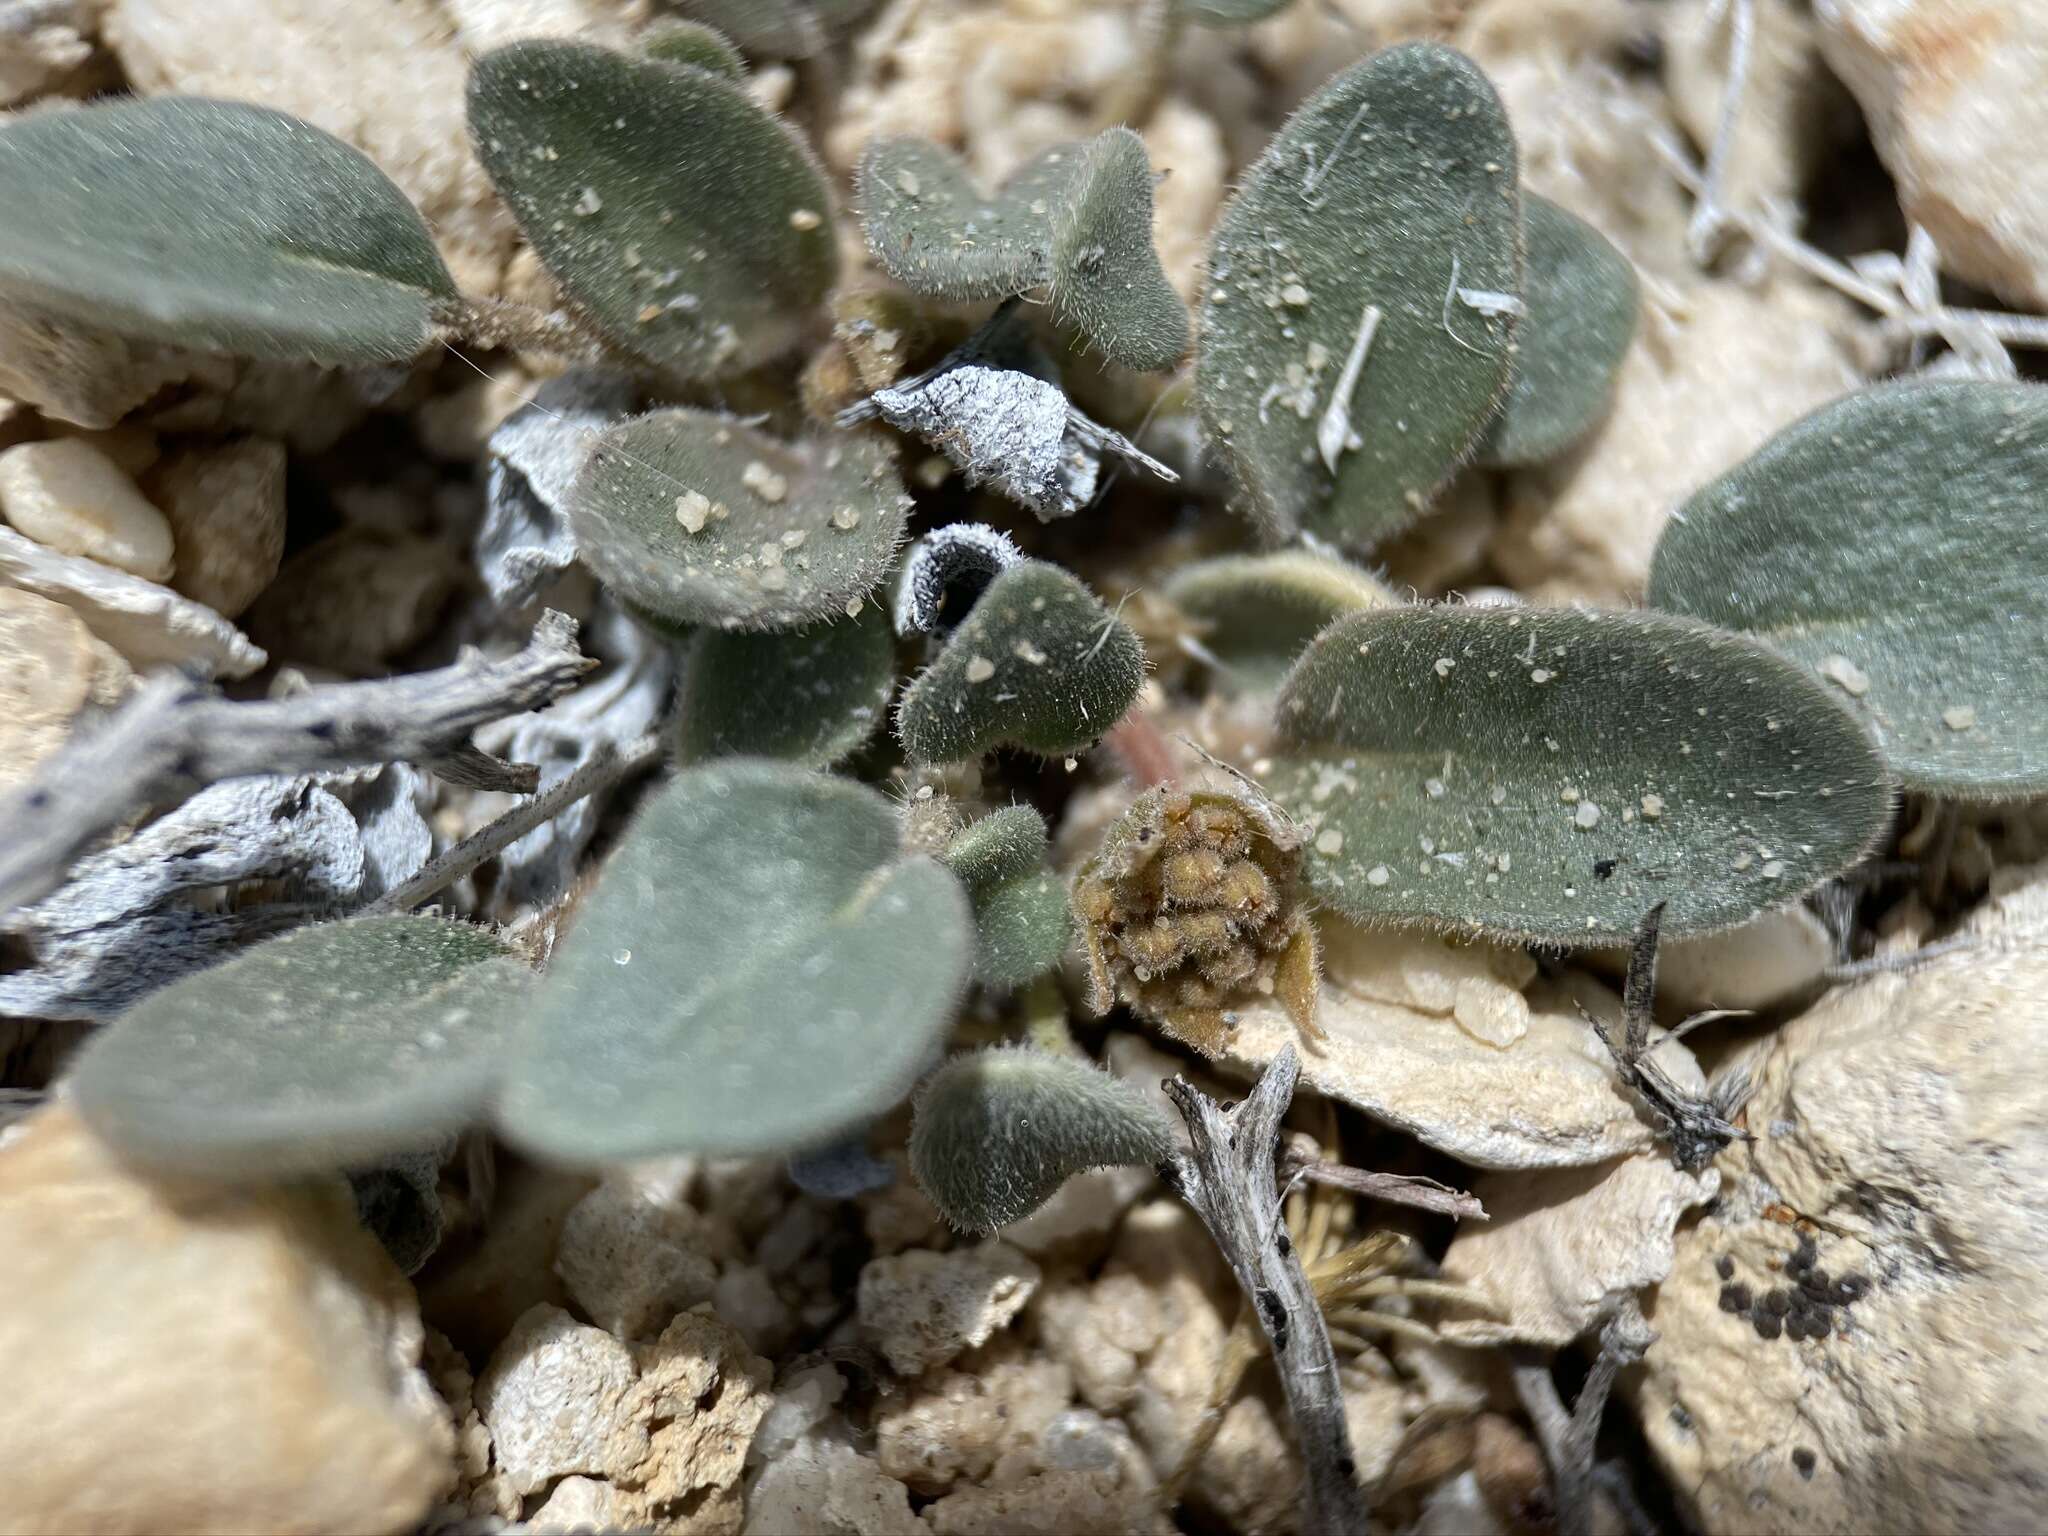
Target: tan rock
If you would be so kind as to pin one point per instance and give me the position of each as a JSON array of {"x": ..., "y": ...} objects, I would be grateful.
[
  {"x": 1250, "y": 1479},
  {"x": 131, "y": 446},
  {"x": 1194, "y": 169},
  {"x": 148, "y": 624},
  {"x": 69, "y": 496},
  {"x": 51, "y": 671},
  {"x": 488, "y": 24},
  {"x": 1956, "y": 95},
  {"x": 1047, "y": 1501},
  {"x": 924, "y": 1308},
  {"x": 242, "y": 1358},
  {"x": 555, "y": 1398},
  {"x": 1766, "y": 960},
  {"x": 1564, "y": 1248},
  {"x": 482, "y": 1283},
  {"x": 954, "y": 1424},
  {"x": 386, "y": 75},
  {"x": 1900, "y": 1124},
  {"x": 41, "y": 45},
  {"x": 1699, "y": 391},
  {"x": 91, "y": 378},
  {"x": 1789, "y": 102},
  {"x": 225, "y": 503},
  {"x": 356, "y": 600},
  {"x": 631, "y": 1260},
  {"x": 823, "y": 1485},
  {"x": 479, "y": 1489}
]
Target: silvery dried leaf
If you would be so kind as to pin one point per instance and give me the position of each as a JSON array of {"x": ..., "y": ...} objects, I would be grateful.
[
  {"x": 390, "y": 804},
  {"x": 534, "y": 455},
  {"x": 124, "y": 924},
  {"x": 946, "y": 571}
]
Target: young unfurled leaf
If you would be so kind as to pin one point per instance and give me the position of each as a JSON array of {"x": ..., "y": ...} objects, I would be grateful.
[
  {"x": 997, "y": 1132},
  {"x": 1038, "y": 663},
  {"x": 1258, "y": 612},
  {"x": 809, "y": 696},
  {"x": 1354, "y": 341},
  {"x": 1548, "y": 773},
  {"x": 1896, "y": 543},
  {"x": 694, "y": 227},
  {"x": 214, "y": 225},
  {"x": 1020, "y": 910},
  {"x": 778, "y": 29},
  {"x": 334, "y": 1046},
  {"x": 1581, "y": 295},
  {"x": 1075, "y": 221},
  {"x": 695, "y": 46},
  {"x": 756, "y": 971},
  {"x": 1228, "y": 13},
  {"x": 702, "y": 521}
]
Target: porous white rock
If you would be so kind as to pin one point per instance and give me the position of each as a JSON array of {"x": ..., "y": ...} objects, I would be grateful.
[
  {"x": 632, "y": 1260},
  {"x": 1766, "y": 960},
  {"x": 555, "y": 1396},
  {"x": 224, "y": 502},
  {"x": 51, "y": 671},
  {"x": 821, "y": 1484},
  {"x": 69, "y": 496},
  {"x": 955, "y": 1423},
  {"x": 1900, "y": 1124},
  {"x": 924, "y": 1308}
]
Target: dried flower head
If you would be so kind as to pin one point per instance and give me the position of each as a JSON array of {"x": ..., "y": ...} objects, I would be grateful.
[{"x": 1192, "y": 902}]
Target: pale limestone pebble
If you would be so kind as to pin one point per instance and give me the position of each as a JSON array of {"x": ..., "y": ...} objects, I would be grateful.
[
  {"x": 488, "y": 24},
  {"x": 821, "y": 1485},
  {"x": 1902, "y": 1117},
  {"x": 924, "y": 1308},
  {"x": 1792, "y": 110},
  {"x": 356, "y": 601},
  {"x": 69, "y": 496},
  {"x": 224, "y": 502},
  {"x": 132, "y": 446},
  {"x": 1581, "y": 125},
  {"x": 247, "y": 1357},
  {"x": 1550, "y": 1099},
  {"x": 806, "y": 1398},
  {"x": 1956, "y": 96},
  {"x": 1103, "y": 1330},
  {"x": 1762, "y": 962},
  {"x": 900, "y": 1215},
  {"x": 146, "y": 623},
  {"x": 52, "y": 670},
  {"x": 308, "y": 407},
  {"x": 386, "y": 75},
  {"x": 1450, "y": 544},
  {"x": 1250, "y": 1478},
  {"x": 703, "y": 1393},
  {"x": 1564, "y": 1248},
  {"x": 1478, "y": 984},
  {"x": 581, "y": 1505},
  {"x": 556, "y": 1395},
  {"x": 480, "y": 1490},
  {"x": 1081, "y": 1213},
  {"x": 632, "y": 1262},
  {"x": 1049, "y": 1501},
  {"x": 42, "y": 45},
  {"x": 952, "y": 1425},
  {"x": 1698, "y": 392},
  {"x": 746, "y": 1296},
  {"x": 90, "y": 378},
  {"x": 1079, "y": 1440},
  {"x": 1187, "y": 152}
]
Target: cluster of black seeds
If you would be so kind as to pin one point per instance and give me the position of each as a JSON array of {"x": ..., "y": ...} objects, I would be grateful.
[{"x": 1811, "y": 1307}]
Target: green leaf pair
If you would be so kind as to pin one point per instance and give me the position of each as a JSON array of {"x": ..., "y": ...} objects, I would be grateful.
[
  {"x": 1020, "y": 907},
  {"x": 758, "y": 970}
]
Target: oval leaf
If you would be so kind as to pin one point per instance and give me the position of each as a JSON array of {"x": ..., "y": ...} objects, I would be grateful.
[
  {"x": 334, "y": 1046},
  {"x": 215, "y": 225},
  {"x": 694, "y": 46},
  {"x": 997, "y": 1132},
  {"x": 1895, "y": 542},
  {"x": 1076, "y": 220},
  {"x": 1551, "y": 774},
  {"x": 810, "y": 696},
  {"x": 1258, "y": 612},
  {"x": 1582, "y": 297},
  {"x": 757, "y": 971},
  {"x": 694, "y": 227},
  {"x": 1021, "y": 919},
  {"x": 1351, "y": 298},
  {"x": 1038, "y": 663},
  {"x": 699, "y": 520}
]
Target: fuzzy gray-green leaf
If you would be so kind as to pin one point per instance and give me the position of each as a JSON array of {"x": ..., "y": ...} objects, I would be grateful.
[
  {"x": 215, "y": 225},
  {"x": 1076, "y": 221},
  {"x": 694, "y": 46},
  {"x": 808, "y": 696},
  {"x": 1259, "y": 612},
  {"x": 693, "y": 226},
  {"x": 1895, "y": 542},
  {"x": 699, "y": 520},
  {"x": 999, "y": 1131},
  {"x": 1553, "y": 773},
  {"x": 757, "y": 970},
  {"x": 1228, "y": 13},
  {"x": 1038, "y": 663},
  {"x": 334, "y": 1046},
  {"x": 1384, "y": 199},
  {"x": 1582, "y": 298},
  {"x": 1021, "y": 918}
]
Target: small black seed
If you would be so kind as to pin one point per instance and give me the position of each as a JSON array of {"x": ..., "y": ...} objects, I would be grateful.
[
  {"x": 1767, "y": 1324},
  {"x": 1602, "y": 868},
  {"x": 1725, "y": 1267},
  {"x": 1817, "y": 1324},
  {"x": 1734, "y": 1298},
  {"x": 1779, "y": 1302},
  {"x": 1850, "y": 1288},
  {"x": 1804, "y": 1460},
  {"x": 1795, "y": 1326},
  {"x": 1817, "y": 1281}
]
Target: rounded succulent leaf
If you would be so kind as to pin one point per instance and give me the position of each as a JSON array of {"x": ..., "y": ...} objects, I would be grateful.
[
  {"x": 215, "y": 225},
  {"x": 1582, "y": 297},
  {"x": 1075, "y": 220},
  {"x": 1038, "y": 663},
  {"x": 1228, "y": 13},
  {"x": 334, "y": 1046},
  {"x": 999, "y": 1131},
  {"x": 693, "y": 46},
  {"x": 1259, "y": 612},
  {"x": 690, "y": 224},
  {"x": 1896, "y": 543},
  {"x": 699, "y": 520},
  {"x": 808, "y": 696},
  {"x": 1021, "y": 919},
  {"x": 1551, "y": 774},
  {"x": 1354, "y": 297},
  {"x": 756, "y": 971},
  {"x": 1004, "y": 845}
]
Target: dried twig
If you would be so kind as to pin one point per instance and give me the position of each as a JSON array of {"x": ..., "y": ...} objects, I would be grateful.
[
  {"x": 1709, "y": 218},
  {"x": 607, "y": 766},
  {"x": 1227, "y": 1177},
  {"x": 1394, "y": 1188},
  {"x": 176, "y": 736},
  {"x": 1569, "y": 1440}
]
